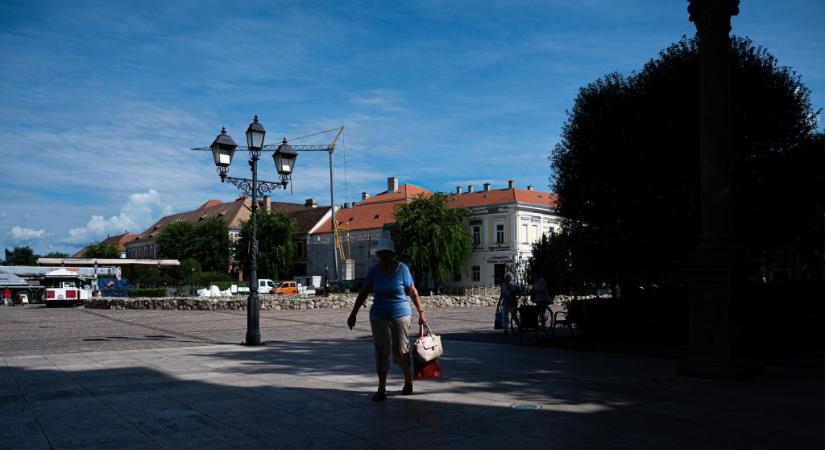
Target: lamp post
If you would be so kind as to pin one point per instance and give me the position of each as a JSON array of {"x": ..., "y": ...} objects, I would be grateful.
[{"x": 223, "y": 149}]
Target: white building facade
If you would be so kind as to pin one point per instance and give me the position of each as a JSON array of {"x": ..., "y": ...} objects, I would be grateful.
[{"x": 503, "y": 225}]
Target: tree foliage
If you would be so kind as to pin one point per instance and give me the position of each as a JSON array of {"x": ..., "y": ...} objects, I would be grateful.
[
  {"x": 102, "y": 249},
  {"x": 431, "y": 237},
  {"x": 211, "y": 245},
  {"x": 56, "y": 255},
  {"x": 175, "y": 240},
  {"x": 207, "y": 242},
  {"x": 21, "y": 256},
  {"x": 276, "y": 244},
  {"x": 627, "y": 166},
  {"x": 552, "y": 259}
]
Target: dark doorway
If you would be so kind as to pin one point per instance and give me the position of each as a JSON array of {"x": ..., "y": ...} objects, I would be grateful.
[{"x": 498, "y": 273}]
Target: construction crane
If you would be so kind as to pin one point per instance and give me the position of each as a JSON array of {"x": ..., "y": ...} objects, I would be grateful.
[{"x": 337, "y": 248}]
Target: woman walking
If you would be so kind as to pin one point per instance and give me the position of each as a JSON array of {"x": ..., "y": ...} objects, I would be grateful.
[{"x": 390, "y": 315}]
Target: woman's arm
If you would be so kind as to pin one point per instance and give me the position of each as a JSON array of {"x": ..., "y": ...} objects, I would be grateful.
[
  {"x": 413, "y": 293},
  {"x": 359, "y": 301}
]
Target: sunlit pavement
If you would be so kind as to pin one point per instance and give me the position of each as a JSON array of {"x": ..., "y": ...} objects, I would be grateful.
[{"x": 75, "y": 378}]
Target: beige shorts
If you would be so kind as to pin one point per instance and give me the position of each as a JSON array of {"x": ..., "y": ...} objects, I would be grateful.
[{"x": 392, "y": 338}]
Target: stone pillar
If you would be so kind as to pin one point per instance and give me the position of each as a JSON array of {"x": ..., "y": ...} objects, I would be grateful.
[{"x": 720, "y": 346}]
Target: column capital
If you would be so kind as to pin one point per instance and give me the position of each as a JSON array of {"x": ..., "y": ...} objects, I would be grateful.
[{"x": 712, "y": 15}]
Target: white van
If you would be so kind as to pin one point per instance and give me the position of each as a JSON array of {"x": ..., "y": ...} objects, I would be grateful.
[{"x": 265, "y": 286}]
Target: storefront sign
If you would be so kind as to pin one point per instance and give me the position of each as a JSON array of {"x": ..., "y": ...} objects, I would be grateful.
[{"x": 500, "y": 260}]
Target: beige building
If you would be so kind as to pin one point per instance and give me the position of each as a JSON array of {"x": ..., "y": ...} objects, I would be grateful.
[
  {"x": 306, "y": 215},
  {"x": 503, "y": 224}
]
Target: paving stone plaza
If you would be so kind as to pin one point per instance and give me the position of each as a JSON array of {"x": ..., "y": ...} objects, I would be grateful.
[{"x": 77, "y": 378}]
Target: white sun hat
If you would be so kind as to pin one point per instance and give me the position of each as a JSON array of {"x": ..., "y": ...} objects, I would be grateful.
[{"x": 385, "y": 245}]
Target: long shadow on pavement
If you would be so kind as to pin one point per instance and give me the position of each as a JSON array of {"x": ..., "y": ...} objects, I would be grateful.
[{"x": 315, "y": 394}]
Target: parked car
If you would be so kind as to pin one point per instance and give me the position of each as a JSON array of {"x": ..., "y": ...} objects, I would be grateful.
[{"x": 287, "y": 288}]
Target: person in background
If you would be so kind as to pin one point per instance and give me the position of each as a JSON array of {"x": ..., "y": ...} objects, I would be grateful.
[
  {"x": 508, "y": 299},
  {"x": 541, "y": 297},
  {"x": 391, "y": 282}
]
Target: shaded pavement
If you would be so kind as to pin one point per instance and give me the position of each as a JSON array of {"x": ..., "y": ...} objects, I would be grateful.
[{"x": 175, "y": 379}]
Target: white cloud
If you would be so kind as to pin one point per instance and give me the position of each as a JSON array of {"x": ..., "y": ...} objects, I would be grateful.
[
  {"x": 135, "y": 215},
  {"x": 20, "y": 234},
  {"x": 383, "y": 99}
]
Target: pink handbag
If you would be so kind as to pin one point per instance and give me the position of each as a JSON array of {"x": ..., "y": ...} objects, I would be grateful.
[{"x": 428, "y": 344}]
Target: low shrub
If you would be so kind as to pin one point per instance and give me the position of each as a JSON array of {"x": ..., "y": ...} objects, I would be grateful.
[{"x": 149, "y": 292}]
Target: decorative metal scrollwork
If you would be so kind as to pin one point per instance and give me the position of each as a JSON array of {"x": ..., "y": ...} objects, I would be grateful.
[{"x": 245, "y": 185}]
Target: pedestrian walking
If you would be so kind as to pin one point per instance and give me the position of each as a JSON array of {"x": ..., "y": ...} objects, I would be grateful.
[
  {"x": 508, "y": 300},
  {"x": 541, "y": 296},
  {"x": 391, "y": 283}
]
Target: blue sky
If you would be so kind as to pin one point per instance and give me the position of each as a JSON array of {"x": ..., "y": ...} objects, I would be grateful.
[{"x": 99, "y": 101}]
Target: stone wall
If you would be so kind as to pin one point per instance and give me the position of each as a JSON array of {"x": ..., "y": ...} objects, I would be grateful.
[{"x": 274, "y": 302}]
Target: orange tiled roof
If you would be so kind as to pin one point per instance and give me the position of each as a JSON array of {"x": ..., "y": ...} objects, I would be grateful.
[
  {"x": 405, "y": 192},
  {"x": 233, "y": 213},
  {"x": 374, "y": 212},
  {"x": 496, "y": 196},
  {"x": 119, "y": 240}
]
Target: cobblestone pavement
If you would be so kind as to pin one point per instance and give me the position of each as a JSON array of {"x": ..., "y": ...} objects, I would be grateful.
[
  {"x": 77, "y": 379},
  {"x": 38, "y": 330}
]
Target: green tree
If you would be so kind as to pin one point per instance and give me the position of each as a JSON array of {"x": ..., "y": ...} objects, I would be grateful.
[
  {"x": 102, "y": 249},
  {"x": 175, "y": 241},
  {"x": 552, "y": 259},
  {"x": 276, "y": 244},
  {"x": 432, "y": 238},
  {"x": 21, "y": 256},
  {"x": 206, "y": 242},
  {"x": 56, "y": 255},
  {"x": 626, "y": 168},
  {"x": 210, "y": 245}
]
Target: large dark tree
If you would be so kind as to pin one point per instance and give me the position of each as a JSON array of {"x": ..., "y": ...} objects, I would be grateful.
[
  {"x": 431, "y": 237},
  {"x": 627, "y": 166},
  {"x": 276, "y": 244}
]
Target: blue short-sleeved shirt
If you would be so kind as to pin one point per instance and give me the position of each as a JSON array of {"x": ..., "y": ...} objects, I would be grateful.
[{"x": 390, "y": 296}]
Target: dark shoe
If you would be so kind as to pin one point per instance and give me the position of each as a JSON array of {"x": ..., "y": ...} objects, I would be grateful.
[
  {"x": 407, "y": 389},
  {"x": 379, "y": 396}
]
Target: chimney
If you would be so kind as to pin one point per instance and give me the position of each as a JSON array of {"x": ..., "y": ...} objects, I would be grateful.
[
  {"x": 458, "y": 189},
  {"x": 354, "y": 204},
  {"x": 486, "y": 187},
  {"x": 267, "y": 206},
  {"x": 365, "y": 195},
  {"x": 346, "y": 205},
  {"x": 469, "y": 188},
  {"x": 310, "y": 203},
  {"x": 511, "y": 184},
  {"x": 529, "y": 187},
  {"x": 392, "y": 184}
]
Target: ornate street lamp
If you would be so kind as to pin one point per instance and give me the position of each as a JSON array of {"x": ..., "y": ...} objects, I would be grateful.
[
  {"x": 255, "y": 135},
  {"x": 285, "y": 158},
  {"x": 223, "y": 149}
]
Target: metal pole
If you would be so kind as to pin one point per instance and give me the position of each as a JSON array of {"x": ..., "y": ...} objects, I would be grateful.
[
  {"x": 253, "y": 331},
  {"x": 334, "y": 222}
]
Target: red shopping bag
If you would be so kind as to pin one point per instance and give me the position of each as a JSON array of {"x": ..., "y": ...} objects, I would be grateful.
[{"x": 425, "y": 370}]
